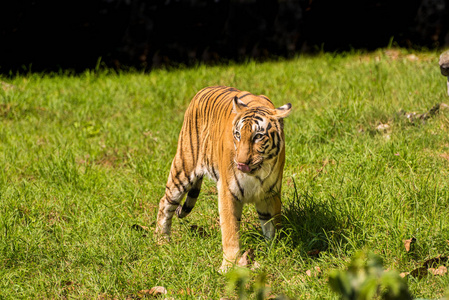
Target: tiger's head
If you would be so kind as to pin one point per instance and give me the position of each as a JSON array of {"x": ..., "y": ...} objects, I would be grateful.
[{"x": 258, "y": 135}]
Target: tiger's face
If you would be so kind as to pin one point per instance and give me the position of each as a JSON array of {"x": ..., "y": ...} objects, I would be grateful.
[{"x": 257, "y": 135}]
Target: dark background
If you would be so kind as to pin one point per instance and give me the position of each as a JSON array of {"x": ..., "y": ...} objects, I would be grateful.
[{"x": 53, "y": 35}]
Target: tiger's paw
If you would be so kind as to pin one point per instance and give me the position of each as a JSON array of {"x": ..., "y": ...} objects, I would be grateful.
[
  {"x": 246, "y": 260},
  {"x": 160, "y": 237},
  {"x": 180, "y": 213},
  {"x": 226, "y": 266}
]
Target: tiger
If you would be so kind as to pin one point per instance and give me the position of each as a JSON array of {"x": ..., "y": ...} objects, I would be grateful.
[{"x": 236, "y": 139}]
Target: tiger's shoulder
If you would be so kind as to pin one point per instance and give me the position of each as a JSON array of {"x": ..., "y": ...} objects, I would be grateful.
[{"x": 224, "y": 96}]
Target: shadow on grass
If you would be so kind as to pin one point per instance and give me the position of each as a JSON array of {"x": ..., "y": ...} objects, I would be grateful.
[{"x": 314, "y": 224}]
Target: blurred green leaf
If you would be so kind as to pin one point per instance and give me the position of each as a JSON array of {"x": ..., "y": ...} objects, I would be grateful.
[{"x": 366, "y": 279}]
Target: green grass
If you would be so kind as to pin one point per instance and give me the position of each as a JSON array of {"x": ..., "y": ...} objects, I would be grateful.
[{"x": 84, "y": 158}]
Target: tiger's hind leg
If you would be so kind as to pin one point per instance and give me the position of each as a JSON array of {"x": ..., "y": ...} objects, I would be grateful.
[
  {"x": 180, "y": 182},
  {"x": 192, "y": 196},
  {"x": 175, "y": 190}
]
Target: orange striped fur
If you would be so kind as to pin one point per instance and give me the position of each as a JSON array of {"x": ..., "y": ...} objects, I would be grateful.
[{"x": 237, "y": 139}]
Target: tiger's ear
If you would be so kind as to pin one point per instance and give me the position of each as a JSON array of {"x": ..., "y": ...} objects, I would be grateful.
[
  {"x": 238, "y": 106},
  {"x": 283, "y": 111}
]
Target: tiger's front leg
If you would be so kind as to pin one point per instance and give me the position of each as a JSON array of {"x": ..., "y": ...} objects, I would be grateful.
[
  {"x": 269, "y": 212},
  {"x": 230, "y": 210}
]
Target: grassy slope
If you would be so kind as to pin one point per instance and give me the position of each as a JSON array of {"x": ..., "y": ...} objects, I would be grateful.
[{"x": 85, "y": 158}]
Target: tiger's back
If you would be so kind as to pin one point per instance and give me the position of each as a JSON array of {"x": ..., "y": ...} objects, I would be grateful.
[{"x": 236, "y": 138}]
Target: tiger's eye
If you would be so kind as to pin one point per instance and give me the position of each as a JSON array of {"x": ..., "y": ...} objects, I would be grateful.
[
  {"x": 258, "y": 136},
  {"x": 237, "y": 135}
]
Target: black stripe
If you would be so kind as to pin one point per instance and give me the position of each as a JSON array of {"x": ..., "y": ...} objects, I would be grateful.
[
  {"x": 182, "y": 153},
  {"x": 269, "y": 126},
  {"x": 193, "y": 193},
  {"x": 234, "y": 196},
  {"x": 278, "y": 143},
  {"x": 264, "y": 216},
  {"x": 197, "y": 134},
  {"x": 192, "y": 153},
  {"x": 179, "y": 185},
  {"x": 214, "y": 173},
  {"x": 276, "y": 126},
  {"x": 212, "y": 160},
  {"x": 273, "y": 185},
  {"x": 265, "y": 144},
  {"x": 245, "y": 96},
  {"x": 223, "y": 105},
  {"x": 176, "y": 176},
  {"x": 260, "y": 110},
  {"x": 216, "y": 97},
  {"x": 208, "y": 107},
  {"x": 242, "y": 192},
  {"x": 272, "y": 134},
  {"x": 186, "y": 209},
  {"x": 261, "y": 96},
  {"x": 170, "y": 201}
]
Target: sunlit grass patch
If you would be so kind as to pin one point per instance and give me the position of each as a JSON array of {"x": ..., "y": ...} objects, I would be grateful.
[{"x": 85, "y": 159}]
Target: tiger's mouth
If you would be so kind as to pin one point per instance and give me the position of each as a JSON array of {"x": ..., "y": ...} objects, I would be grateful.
[
  {"x": 244, "y": 168},
  {"x": 251, "y": 167}
]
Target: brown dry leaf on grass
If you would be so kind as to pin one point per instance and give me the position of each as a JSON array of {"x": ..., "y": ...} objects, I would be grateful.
[
  {"x": 187, "y": 291},
  {"x": 316, "y": 272},
  {"x": 408, "y": 244},
  {"x": 434, "y": 261},
  {"x": 434, "y": 265},
  {"x": 446, "y": 157},
  {"x": 441, "y": 270},
  {"x": 430, "y": 267},
  {"x": 153, "y": 292},
  {"x": 381, "y": 127},
  {"x": 247, "y": 258}
]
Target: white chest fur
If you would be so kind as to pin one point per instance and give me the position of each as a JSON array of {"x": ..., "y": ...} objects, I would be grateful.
[{"x": 254, "y": 188}]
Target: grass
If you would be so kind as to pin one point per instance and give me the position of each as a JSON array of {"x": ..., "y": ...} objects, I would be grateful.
[{"x": 84, "y": 159}]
